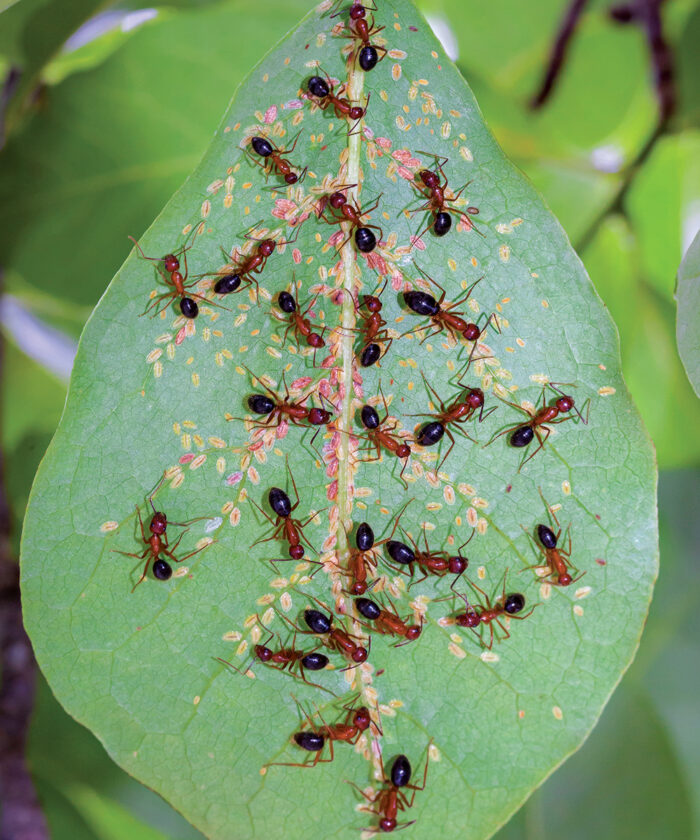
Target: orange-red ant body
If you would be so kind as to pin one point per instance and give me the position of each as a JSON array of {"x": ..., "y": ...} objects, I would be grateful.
[
  {"x": 274, "y": 160},
  {"x": 301, "y": 326},
  {"x": 388, "y": 621},
  {"x": 557, "y": 559},
  {"x": 323, "y": 92},
  {"x": 351, "y": 212},
  {"x": 367, "y": 53},
  {"x": 379, "y": 434},
  {"x": 253, "y": 263}
]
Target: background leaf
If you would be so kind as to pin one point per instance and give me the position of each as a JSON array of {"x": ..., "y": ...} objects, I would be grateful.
[
  {"x": 139, "y": 669},
  {"x": 688, "y": 301}
]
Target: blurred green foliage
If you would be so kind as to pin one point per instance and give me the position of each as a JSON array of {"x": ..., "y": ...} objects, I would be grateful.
[{"x": 123, "y": 121}]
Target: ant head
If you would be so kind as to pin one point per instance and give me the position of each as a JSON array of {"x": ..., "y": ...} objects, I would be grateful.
[
  {"x": 468, "y": 619},
  {"x": 315, "y": 340},
  {"x": 475, "y": 398},
  {"x": 429, "y": 178},
  {"x": 296, "y": 552},
  {"x": 337, "y": 200},
  {"x": 266, "y": 247},
  {"x": 356, "y": 113},
  {"x": 264, "y": 654},
  {"x": 359, "y": 654},
  {"x": 413, "y": 632},
  {"x": 565, "y": 579},
  {"x": 458, "y": 564},
  {"x": 357, "y": 11},
  {"x": 319, "y": 416},
  {"x": 471, "y": 332},
  {"x": 159, "y": 523},
  {"x": 361, "y": 718},
  {"x": 372, "y": 303},
  {"x": 565, "y": 403},
  {"x": 291, "y": 178},
  {"x": 172, "y": 263},
  {"x": 403, "y": 451}
]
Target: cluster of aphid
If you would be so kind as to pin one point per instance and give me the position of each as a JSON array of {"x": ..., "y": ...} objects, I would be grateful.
[{"x": 376, "y": 614}]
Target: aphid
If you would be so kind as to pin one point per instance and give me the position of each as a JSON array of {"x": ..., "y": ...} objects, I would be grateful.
[
  {"x": 557, "y": 559},
  {"x": 245, "y": 266},
  {"x": 477, "y": 615},
  {"x": 351, "y": 212},
  {"x": 362, "y": 31},
  {"x": 459, "y": 412},
  {"x": 379, "y": 434},
  {"x": 157, "y": 542},
  {"x": 287, "y": 659},
  {"x": 286, "y": 527},
  {"x": 274, "y": 161},
  {"x": 302, "y": 327},
  {"x": 283, "y": 409},
  {"x": 437, "y": 203},
  {"x": 324, "y": 96},
  {"x": 337, "y": 638},
  {"x": 172, "y": 276},
  {"x": 357, "y": 720},
  {"x": 445, "y": 317},
  {"x": 388, "y": 621},
  {"x": 540, "y": 420},
  {"x": 388, "y": 802}
]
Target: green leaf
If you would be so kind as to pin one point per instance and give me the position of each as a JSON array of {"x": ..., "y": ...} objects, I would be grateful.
[
  {"x": 688, "y": 317},
  {"x": 153, "y": 397}
]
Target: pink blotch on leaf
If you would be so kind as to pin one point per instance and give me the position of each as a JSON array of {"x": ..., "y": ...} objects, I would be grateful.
[
  {"x": 185, "y": 459},
  {"x": 282, "y": 429},
  {"x": 296, "y": 256},
  {"x": 464, "y": 224},
  {"x": 417, "y": 242},
  {"x": 302, "y": 382},
  {"x": 293, "y": 104},
  {"x": 337, "y": 297},
  {"x": 328, "y": 362},
  {"x": 284, "y": 208},
  {"x": 406, "y": 174},
  {"x": 324, "y": 387},
  {"x": 234, "y": 478},
  {"x": 337, "y": 237},
  {"x": 181, "y": 335},
  {"x": 383, "y": 142},
  {"x": 332, "y": 492},
  {"x": 377, "y": 262},
  {"x": 270, "y": 115}
]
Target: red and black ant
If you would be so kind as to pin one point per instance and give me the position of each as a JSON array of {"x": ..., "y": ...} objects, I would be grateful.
[
  {"x": 557, "y": 559},
  {"x": 388, "y": 621},
  {"x": 323, "y": 92},
  {"x": 388, "y": 802},
  {"x": 357, "y": 721},
  {"x": 440, "y": 206},
  {"x": 367, "y": 54},
  {"x": 337, "y": 638},
  {"x": 245, "y": 266},
  {"x": 379, "y": 434},
  {"x": 362, "y": 561},
  {"x": 521, "y": 434},
  {"x": 286, "y": 527},
  {"x": 460, "y": 411},
  {"x": 157, "y": 542},
  {"x": 301, "y": 326},
  {"x": 274, "y": 161},
  {"x": 174, "y": 277},
  {"x": 445, "y": 317},
  {"x": 373, "y": 329},
  {"x": 287, "y": 659},
  {"x": 477, "y": 615},
  {"x": 351, "y": 212}
]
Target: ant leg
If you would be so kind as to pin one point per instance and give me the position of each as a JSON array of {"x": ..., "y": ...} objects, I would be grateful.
[
  {"x": 541, "y": 441},
  {"x": 143, "y": 532}
]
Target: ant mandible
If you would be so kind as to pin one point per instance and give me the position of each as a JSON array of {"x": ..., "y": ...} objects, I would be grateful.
[
  {"x": 521, "y": 434},
  {"x": 157, "y": 542},
  {"x": 392, "y": 799},
  {"x": 460, "y": 411},
  {"x": 351, "y": 212},
  {"x": 301, "y": 326},
  {"x": 440, "y": 206},
  {"x": 287, "y": 659},
  {"x": 388, "y": 621},
  {"x": 289, "y": 529},
  {"x": 507, "y": 606},
  {"x": 559, "y": 574},
  {"x": 273, "y": 159},
  {"x": 367, "y": 54},
  {"x": 174, "y": 277},
  {"x": 379, "y": 434},
  {"x": 323, "y": 92},
  {"x": 357, "y": 721}
]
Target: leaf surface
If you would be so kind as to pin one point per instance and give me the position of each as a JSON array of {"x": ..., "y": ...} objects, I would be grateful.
[
  {"x": 155, "y": 396},
  {"x": 688, "y": 300}
]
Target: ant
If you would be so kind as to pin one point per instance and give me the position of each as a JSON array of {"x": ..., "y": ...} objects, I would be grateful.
[
  {"x": 174, "y": 277},
  {"x": 558, "y": 574},
  {"x": 540, "y": 420},
  {"x": 379, "y": 434},
  {"x": 363, "y": 560},
  {"x": 287, "y": 659},
  {"x": 289, "y": 529},
  {"x": 300, "y": 325},
  {"x": 157, "y": 542},
  {"x": 253, "y": 263},
  {"x": 284, "y": 409},
  {"x": 437, "y": 204},
  {"x": 322, "y": 90},
  {"x": 373, "y": 329},
  {"x": 388, "y": 622},
  {"x": 460, "y": 411},
  {"x": 445, "y": 318},
  {"x": 507, "y": 606},
  {"x": 388, "y": 802},
  {"x": 365, "y": 240},
  {"x": 338, "y": 639},
  {"x": 356, "y": 722},
  {"x": 366, "y": 53},
  {"x": 272, "y": 156}
]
